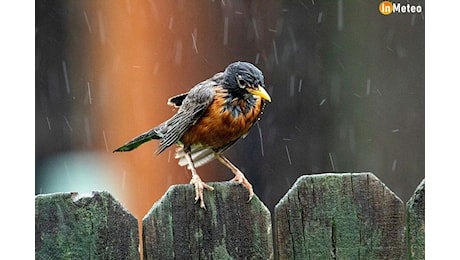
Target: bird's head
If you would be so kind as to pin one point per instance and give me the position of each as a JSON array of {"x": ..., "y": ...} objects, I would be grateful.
[{"x": 243, "y": 78}]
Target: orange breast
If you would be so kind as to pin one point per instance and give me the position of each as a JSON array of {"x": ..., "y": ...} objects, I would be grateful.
[{"x": 217, "y": 128}]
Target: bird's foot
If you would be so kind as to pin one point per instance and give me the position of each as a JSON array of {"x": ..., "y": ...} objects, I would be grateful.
[
  {"x": 240, "y": 178},
  {"x": 199, "y": 187}
]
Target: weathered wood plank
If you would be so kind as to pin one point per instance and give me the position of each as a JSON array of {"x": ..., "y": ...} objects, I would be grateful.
[
  {"x": 229, "y": 228},
  {"x": 340, "y": 216},
  {"x": 87, "y": 226},
  {"x": 416, "y": 223}
]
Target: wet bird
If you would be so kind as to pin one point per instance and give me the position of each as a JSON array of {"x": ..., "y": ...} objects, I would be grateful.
[{"x": 211, "y": 117}]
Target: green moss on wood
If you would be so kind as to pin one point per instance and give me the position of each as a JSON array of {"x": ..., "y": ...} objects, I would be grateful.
[
  {"x": 96, "y": 226},
  {"x": 416, "y": 223},
  {"x": 339, "y": 216},
  {"x": 229, "y": 228}
]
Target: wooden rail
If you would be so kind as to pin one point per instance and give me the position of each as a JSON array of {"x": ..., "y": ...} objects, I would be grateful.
[{"x": 323, "y": 216}]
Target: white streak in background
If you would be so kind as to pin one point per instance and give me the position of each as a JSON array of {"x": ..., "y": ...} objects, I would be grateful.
[
  {"x": 340, "y": 15},
  {"x": 412, "y": 20},
  {"x": 49, "y": 124},
  {"x": 368, "y": 87},
  {"x": 66, "y": 76},
  {"x": 128, "y": 6},
  {"x": 255, "y": 28},
  {"x": 68, "y": 124},
  {"x": 178, "y": 56},
  {"x": 257, "y": 58},
  {"x": 226, "y": 30},
  {"x": 89, "y": 140},
  {"x": 378, "y": 91},
  {"x": 299, "y": 88},
  {"x": 89, "y": 93},
  {"x": 332, "y": 161},
  {"x": 275, "y": 52},
  {"x": 291, "y": 85},
  {"x": 156, "y": 67},
  {"x": 169, "y": 155},
  {"x": 102, "y": 36},
  {"x": 87, "y": 22},
  {"x": 320, "y": 17},
  {"x": 393, "y": 167},
  {"x": 105, "y": 141},
  {"x": 292, "y": 37},
  {"x": 303, "y": 4},
  {"x": 288, "y": 155},
  {"x": 313, "y": 2},
  {"x": 322, "y": 102},
  {"x": 395, "y": 130},
  {"x": 194, "y": 36},
  {"x": 261, "y": 139},
  {"x": 356, "y": 95},
  {"x": 171, "y": 22}
]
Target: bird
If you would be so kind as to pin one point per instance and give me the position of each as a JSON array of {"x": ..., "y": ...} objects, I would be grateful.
[{"x": 211, "y": 117}]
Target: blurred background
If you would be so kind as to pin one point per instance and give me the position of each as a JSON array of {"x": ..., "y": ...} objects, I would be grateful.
[{"x": 347, "y": 85}]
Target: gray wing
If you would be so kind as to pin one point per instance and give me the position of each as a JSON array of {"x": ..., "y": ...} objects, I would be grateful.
[{"x": 192, "y": 107}]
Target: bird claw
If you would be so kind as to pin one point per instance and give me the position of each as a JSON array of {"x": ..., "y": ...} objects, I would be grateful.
[
  {"x": 240, "y": 179},
  {"x": 199, "y": 187}
]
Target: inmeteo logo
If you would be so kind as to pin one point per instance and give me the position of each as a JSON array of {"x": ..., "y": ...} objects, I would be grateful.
[{"x": 387, "y": 7}]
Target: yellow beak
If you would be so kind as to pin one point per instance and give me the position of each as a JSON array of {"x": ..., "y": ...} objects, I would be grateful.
[{"x": 261, "y": 92}]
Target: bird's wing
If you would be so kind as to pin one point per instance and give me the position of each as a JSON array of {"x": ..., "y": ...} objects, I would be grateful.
[{"x": 191, "y": 109}]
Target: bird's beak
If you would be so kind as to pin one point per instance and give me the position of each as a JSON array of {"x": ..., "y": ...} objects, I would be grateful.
[{"x": 261, "y": 92}]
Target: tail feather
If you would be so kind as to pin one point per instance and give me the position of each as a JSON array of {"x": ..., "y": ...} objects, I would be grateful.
[{"x": 134, "y": 143}]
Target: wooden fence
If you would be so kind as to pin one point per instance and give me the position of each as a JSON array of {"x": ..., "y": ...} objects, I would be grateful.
[{"x": 323, "y": 216}]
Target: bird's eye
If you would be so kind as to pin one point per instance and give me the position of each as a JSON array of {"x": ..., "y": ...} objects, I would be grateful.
[{"x": 240, "y": 81}]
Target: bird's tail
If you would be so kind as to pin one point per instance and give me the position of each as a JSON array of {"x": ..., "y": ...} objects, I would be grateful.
[{"x": 145, "y": 137}]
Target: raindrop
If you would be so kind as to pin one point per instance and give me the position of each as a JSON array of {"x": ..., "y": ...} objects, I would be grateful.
[
  {"x": 178, "y": 56},
  {"x": 105, "y": 141},
  {"x": 171, "y": 22},
  {"x": 291, "y": 85},
  {"x": 356, "y": 95},
  {"x": 89, "y": 93},
  {"x": 66, "y": 77},
  {"x": 260, "y": 138},
  {"x": 299, "y": 88},
  {"x": 288, "y": 155},
  {"x": 395, "y": 130},
  {"x": 87, "y": 131},
  {"x": 49, "y": 124},
  {"x": 194, "y": 35},
  {"x": 368, "y": 87},
  {"x": 87, "y": 22},
  {"x": 255, "y": 28},
  {"x": 225, "y": 30},
  {"x": 378, "y": 91},
  {"x": 340, "y": 15},
  {"x": 68, "y": 124},
  {"x": 292, "y": 37},
  {"x": 393, "y": 167},
  {"x": 257, "y": 58},
  {"x": 332, "y": 161},
  {"x": 275, "y": 52},
  {"x": 322, "y": 102},
  {"x": 102, "y": 37},
  {"x": 320, "y": 17}
]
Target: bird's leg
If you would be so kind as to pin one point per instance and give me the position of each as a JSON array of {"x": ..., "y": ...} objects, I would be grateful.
[
  {"x": 239, "y": 176},
  {"x": 196, "y": 181}
]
